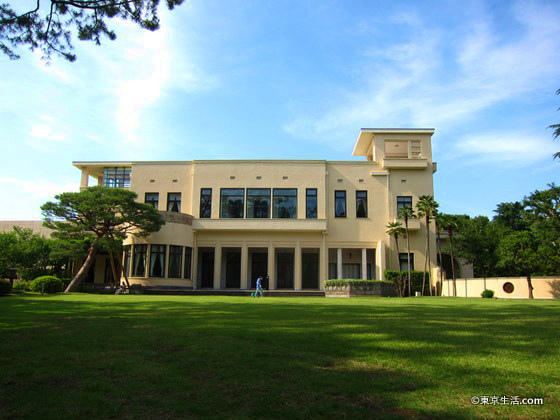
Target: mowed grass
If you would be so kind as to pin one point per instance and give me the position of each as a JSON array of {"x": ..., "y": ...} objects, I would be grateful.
[{"x": 194, "y": 357}]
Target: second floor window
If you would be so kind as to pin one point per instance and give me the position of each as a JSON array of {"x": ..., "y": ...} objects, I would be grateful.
[
  {"x": 205, "y": 203},
  {"x": 258, "y": 203},
  {"x": 231, "y": 203},
  {"x": 174, "y": 202},
  {"x": 285, "y": 203},
  {"x": 403, "y": 261},
  {"x": 311, "y": 203},
  {"x": 153, "y": 199},
  {"x": 340, "y": 204},
  {"x": 116, "y": 177},
  {"x": 403, "y": 201},
  {"x": 361, "y": 203}
]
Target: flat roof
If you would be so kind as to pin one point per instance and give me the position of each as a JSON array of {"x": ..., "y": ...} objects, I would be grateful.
[{"x": 363, "y": 143}]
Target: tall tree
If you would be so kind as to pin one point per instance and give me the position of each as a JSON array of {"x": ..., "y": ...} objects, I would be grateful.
[
  {"x": 50, "y": 24},
  {"x": 511, "y": 216},
  {"x": 427, "y": 207},
  {"x": 396, "y": 230},
  {"x": 519, "y": 252},
  {"x": 406, "y": 213},
  {"x": 103, "y": 215},
  {"x": 449, "y": 223}
]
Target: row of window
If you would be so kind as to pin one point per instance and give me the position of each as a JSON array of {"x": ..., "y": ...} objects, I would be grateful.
[
  {"x": 256, "y": 203},
  {"x": 136, "y": 261}
]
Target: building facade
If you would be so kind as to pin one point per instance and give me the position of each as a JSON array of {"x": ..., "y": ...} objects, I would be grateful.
[{"x": 299, "y": 222}]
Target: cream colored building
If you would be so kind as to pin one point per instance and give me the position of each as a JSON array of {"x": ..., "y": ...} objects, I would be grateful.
[{"x": 299, "y": 222}]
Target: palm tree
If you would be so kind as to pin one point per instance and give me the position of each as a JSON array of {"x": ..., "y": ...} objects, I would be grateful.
[
  {"x": 449, "y": 223},
  {"x": 407, "y": 213},
  {"x": 427, "y": 207},
  {"x": 395, "y": 230},
  {"x": 437, "y": 222}
]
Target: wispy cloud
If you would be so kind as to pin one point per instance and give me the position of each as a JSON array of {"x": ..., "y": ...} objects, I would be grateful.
[{"x": 409, "y": 84}]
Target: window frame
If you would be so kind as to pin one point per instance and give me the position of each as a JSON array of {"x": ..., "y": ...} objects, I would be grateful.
[
  {"x": 116, "y": 176},
  {"x": 155, "y": 253},
  {"x": 247, "y": 195},
  {"x": 403, "y": 261},
  {"x": 365, "y": 199},
  {"x": 307, "y": 198},
  {"x": 275, "y": 195},
  {"x": 155, "y": 202},
  {"x": 400, "y": 203},
  {"x": 171, "y": 202},
  {"x": 202, "y": 195},
  {"x": 180, "y": 267},
  {"x": 242, "y": 207},
  {"x": 139, "y": 250},
  {"x": 345, "y": 204}
]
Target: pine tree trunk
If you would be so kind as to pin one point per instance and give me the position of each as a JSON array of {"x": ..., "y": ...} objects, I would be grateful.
[
  {"x": 124, "y": 273},
  {"x": 82, "y": 272},
  {"x": 113, "y": 269}
]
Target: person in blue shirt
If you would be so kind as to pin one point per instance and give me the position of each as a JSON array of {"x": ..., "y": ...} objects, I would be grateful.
[{"x": 259, "y": 290}]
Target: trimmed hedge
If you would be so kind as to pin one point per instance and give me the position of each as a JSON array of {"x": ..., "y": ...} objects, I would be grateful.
[
  {"x": 22, "y": 286},
  {"x": 47, "y": 284},
  {"x": 5, "y": 287},
  {"x": 353, "y": 282}
]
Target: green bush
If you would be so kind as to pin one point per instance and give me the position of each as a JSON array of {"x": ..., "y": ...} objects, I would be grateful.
[
  {"x": 416, "y": 278},
  {"x": 354, "y": 282},
  {"x": 488, "y": 294},
  {"x": 5, "y": 287},
  {"x": 47, "y": 284},
  {"x": 22, "y": 286}
]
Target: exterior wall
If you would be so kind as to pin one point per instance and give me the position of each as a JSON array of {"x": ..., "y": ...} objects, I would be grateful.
[
  {"x": 543, "y": 287},
  {"x": 35, "y": 225}
]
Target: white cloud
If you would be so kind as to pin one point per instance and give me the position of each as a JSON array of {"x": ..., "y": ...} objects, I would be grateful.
[
  {"x": 412, "y": 83},
  {"x": 522, "y": 149}
]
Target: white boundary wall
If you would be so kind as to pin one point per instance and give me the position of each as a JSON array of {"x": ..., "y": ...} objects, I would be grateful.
[{"x": 543, "y": 287}]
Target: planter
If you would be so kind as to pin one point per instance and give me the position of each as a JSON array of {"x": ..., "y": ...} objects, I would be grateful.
[{"x": 380, "y": 289}]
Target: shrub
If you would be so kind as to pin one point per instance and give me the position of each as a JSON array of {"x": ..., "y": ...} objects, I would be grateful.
[
  {"x": 353, "y": 282},
  {"x": 47, "y": 284},
  {"x": 399, "y": 278},
  {"x": 22, "y": 286},
  {"x": 489, "y": 294},
  {"x": 5, "y": 287}
]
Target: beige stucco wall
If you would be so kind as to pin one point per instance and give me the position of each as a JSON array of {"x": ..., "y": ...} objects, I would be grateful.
[
  {"x": 543, "y": 287},
  {"x": 35, "y": 225}
]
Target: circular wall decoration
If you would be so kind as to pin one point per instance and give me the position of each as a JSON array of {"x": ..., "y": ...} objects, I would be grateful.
[{"x": 508, "y": 287}]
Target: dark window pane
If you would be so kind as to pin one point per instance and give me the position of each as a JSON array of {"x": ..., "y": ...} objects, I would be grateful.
[
  {"x": 361, "y": 204},
  {"x": 139, "y": 266},
  {"x": 403, "y": 261},
  {"x": 175, "y": 257},
  {"x": 258, "y": 203},
  {"x": 404, "y": 201},
  {"x": 116, "y": 177},
  {"x": 285, "y": 203},
  {"x": 174, "y": 202},
  {"x": 311, "y": 203},
  {"x": 231, "y": 203},
  {"x": 188, "y": 263},
  {"x": 157, "y": 261},
  {"x": 153, "y": 199},
  {"x": 205, "y": 203},
  {"x": 340, "y": 203}
]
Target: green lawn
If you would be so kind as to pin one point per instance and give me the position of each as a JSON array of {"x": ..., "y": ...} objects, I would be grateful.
[{"x": 193, "y": 357}]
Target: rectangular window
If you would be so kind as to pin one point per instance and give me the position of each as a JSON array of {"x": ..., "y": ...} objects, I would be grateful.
[
  {"x": 153, "y": 199},
  {"x": 285, "y": 203},
  {"x": 361, "y": 203},
  {"x": 139, "y": 266},
  {"x": 340, "y": 204},
  {"x": 175, "y": 257},
  {"x": 404, "y": 201},
  {"x": 258, "y": 203},
  {"x": 311, "y": 203},
  {"x": 188, "y": 263},
  {"x": 126, "y": 264},
  {"x": 116, "y": 177},
  {"x": 231, "y": 203},
  {"x": 157, "y": 261},
  {"x": 403, "y": 261},
  {"x": 205, "y": 203},
  {"x": 174, "y": 202}
]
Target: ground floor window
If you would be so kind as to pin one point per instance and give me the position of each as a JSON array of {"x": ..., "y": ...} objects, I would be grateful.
[
  {"x": 157, "y": 261},
  {"x": 175, "y": 257},
  {"x": 188, "y": 263},
  {"x": 139, "y": 266}
]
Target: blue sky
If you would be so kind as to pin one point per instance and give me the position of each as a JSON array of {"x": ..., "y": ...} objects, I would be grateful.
[{"x": 259, "y": 79}]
